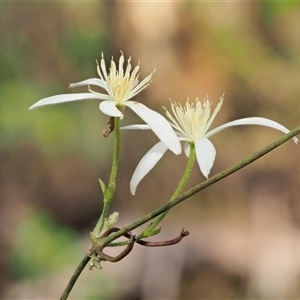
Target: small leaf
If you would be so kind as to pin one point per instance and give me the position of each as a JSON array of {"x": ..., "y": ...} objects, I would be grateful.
[
  {"x": 103, "y": 187},
  {"x": 93, "y": 237},
  {"x": 147, "y": 233},
  {"x": 110, "y": 221}
]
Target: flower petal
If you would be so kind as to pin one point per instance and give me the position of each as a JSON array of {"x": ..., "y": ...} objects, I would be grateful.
[
  {"x": 146, "y": 164},
  {"x": 251, "y": 121},
  {"x": 159, "y": 125},
  {"x": 109, "y": 108},
  {"x": 187, "y": 149},
  {"x": 91, "y": 81},
  {"x": 64, "y": 98},
  {"x": 136, "y": 126},
  {"x": 205, "y": 153}
]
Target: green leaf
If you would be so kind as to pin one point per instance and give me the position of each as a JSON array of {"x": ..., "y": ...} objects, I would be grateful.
[
  {"x": 103, "y": 187},
  {"x": 148, "y": 233},
  {"x": 42, "y": 246}
]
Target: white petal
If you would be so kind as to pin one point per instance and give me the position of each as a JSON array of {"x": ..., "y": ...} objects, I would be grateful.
[
  {"x": 146, "y": 164},
  {"x": 136, "y": 126},
  {"x": 109, "y": 108},
  {"x": 187, "y": 149},
  {"x": 159, "y": 125},
  {"x": 205, "y": 153},
  {"x": 252, "y": 121},
  {"x": 91, "y": 81},
  {"x": 64, "y": 98}
]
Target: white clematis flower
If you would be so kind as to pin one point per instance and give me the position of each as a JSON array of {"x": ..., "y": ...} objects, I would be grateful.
[
  {"x": 121, "y": 85},
  {"x": 191, "y": 124}
]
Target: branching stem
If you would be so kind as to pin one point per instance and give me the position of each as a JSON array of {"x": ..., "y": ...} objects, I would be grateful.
[
  {"x": 181, "y": 185},
  {"x": 243, "y": 163}
]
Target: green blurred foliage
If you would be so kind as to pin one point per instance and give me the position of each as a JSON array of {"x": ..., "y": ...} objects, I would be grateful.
[
  {"x": 42, "y": 246},
  {"x": 272, "y": 9},
  {"x": 55, "y": 130},
  {"x": 82, "y": 47}
]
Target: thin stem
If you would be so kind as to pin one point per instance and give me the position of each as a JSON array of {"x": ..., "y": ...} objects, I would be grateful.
[
  {"x": 97, "y": 230},
  {"x": 108, "y": 196},
  {"x": 177, "y": 192},
  {"x": 128, "y": 235},
  {"x": 109, "y": 193},
  {"x": 75, "y": 276},
  {"x": 114, "y": 169},
  {"x": 243, "y": 163}
]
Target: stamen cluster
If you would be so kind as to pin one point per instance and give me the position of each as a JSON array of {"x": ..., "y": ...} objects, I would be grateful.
[{"x": 192, "y": 121}]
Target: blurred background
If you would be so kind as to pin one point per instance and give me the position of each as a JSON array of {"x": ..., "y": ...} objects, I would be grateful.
[{"x": 244, "y": 237}]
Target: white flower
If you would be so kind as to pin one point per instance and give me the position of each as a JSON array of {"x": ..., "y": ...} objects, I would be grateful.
[
  {"x": 121, "y": 85},
  {"x": 191, "y": 124}
]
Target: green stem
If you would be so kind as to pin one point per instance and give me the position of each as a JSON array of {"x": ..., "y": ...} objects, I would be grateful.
[
  {"x": 75, "y": 276},
  {"x": 114, "y": 169},
  {"x": 108, "y": 196},
  {"x": 110, "y": 191},
  {"x": 176, "y": 194},
  {"x": 243, "y": 163}
]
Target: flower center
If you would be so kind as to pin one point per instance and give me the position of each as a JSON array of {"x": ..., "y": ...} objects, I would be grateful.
[
  {"x": 192, "y": 120},
  {"x": 120, "y": 85}
]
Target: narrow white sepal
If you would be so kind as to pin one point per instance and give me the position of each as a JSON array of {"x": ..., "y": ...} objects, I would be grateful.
[
  {"x": 251, "y": 121},
  {"x": 205, "y": 154},
  {"x": 187, "y": 149},
  {"x": 109, "y": 108},
  {"x": 158, "y": 124},
  {"x": 63, "y": 98},
  {"x": 136, "y": 126},
  {"x": 147, "y": 163},
  {"x": 91, "y": 81}
]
